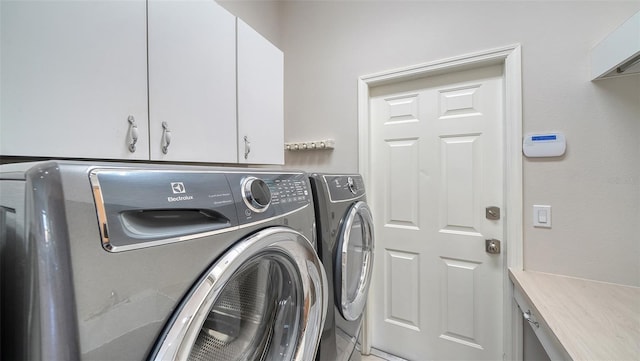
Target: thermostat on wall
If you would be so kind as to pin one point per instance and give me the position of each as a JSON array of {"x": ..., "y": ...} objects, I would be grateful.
[{"x": 544, "y": 145}]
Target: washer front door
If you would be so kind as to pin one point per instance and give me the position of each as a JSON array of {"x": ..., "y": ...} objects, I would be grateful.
[
  {"x": 264, "y": 299},
  {"x": 354, "y": 261}
]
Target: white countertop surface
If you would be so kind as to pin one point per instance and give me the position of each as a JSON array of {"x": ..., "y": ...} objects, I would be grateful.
[{"x": 592, "y": 320}]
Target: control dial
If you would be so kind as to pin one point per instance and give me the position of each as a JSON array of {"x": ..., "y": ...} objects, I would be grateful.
[
  {"x": 256, "y": 194},
  {"x": 352, "y": 185}
]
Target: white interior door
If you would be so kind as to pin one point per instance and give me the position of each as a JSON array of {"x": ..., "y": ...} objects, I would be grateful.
[{"x": 436, "y": 163}]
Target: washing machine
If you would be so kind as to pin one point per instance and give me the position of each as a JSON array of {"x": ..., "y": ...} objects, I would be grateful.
[
  {"x": 345, "y": 246},
  {"x": 106, "y": 261}
]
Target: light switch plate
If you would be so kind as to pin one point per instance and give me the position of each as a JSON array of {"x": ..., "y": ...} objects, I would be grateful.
[{"x": 542, "y": 216}]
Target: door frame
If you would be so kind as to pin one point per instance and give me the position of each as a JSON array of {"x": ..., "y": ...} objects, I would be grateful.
[{"x": 510, "y": 58}]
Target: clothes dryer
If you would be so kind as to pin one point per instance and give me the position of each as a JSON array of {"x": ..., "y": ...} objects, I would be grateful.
[
  {"x": 133, "y": 261},
  {"x": 345, "y": 246}
]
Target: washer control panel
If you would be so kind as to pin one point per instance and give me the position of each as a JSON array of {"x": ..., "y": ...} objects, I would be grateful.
[
  {"x": 256, "y": 194},
  {"x": 139, "y": 208},
  {"x": 267, "y": 195},
  {"x": 290, "y": 191}
]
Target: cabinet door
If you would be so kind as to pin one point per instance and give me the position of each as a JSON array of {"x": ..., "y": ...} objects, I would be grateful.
[
  {"x": 260, "y": 99},
  {"x": 72, "y": 73},
  {"x": 192, "y": 81}
]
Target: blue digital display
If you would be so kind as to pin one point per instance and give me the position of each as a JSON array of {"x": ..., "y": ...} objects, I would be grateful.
[{"x": 537, "y": 138}]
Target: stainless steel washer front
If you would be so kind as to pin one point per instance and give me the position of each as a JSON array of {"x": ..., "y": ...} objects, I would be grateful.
[
  {"x": 262, "y": 300},
  {"x": 128, "y": 261}
]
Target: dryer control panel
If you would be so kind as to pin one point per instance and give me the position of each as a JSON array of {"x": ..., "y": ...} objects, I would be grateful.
[{"x": 344, "y": 187}]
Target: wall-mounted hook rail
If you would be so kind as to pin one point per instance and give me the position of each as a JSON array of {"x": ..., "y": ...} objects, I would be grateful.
[{"x": 311, "y": 145}]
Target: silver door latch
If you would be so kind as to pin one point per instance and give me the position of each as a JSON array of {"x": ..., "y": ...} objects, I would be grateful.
[{"x": 492, "y": 246}]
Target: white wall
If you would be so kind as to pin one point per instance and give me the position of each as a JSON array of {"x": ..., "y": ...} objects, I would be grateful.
[
  {"x": 594, "y": 189},
  {"x": 262, "y": 16}
]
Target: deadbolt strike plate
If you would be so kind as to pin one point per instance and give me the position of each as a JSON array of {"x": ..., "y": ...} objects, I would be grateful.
[{"x": 492, "y": 213}]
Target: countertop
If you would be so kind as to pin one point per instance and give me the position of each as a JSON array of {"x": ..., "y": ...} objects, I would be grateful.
[{"x": 591, "y": 320}]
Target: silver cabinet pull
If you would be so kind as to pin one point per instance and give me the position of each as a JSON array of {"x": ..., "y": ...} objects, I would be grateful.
[
  {"x": 527, "y": 316},
  {"x": 247, "y": 147},
  {"x": 166, "y": 138},
  {"x": 133, "y": 133}
]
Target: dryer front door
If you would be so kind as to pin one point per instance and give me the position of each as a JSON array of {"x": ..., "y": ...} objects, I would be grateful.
[
  {"x": 264, "y": 299},
  {"x": 354, "y": 261}
]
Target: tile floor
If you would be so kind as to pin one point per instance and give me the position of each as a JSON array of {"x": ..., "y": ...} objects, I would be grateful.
[
  {"x": 377, "y": 355},
  {"x": 342, "y": 342},
  {"x": 372, "y": 358}
]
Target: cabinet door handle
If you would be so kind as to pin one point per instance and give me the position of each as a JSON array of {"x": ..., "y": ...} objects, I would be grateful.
[
  {"x": 166, "y": 138},
  {"x": 133, "y": 133},
  {"x": 247, "y": 147},
  {"x": 528, "y": 317}
]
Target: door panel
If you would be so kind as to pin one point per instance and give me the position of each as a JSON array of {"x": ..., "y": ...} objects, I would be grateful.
[
  {"x": 437, "y": 146},
  {"x": 402, "y": 282},
  {"x": 403, "y": 184},
  {"x": 460, "y": 166},
  {"x": 458, "y": 300}
]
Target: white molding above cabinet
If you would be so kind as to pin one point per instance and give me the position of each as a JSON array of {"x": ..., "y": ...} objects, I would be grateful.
[
  {"x": 192, "y": 82},
  {"x": 73, "y": 72},
  {"x": 260, "y": 98},
  {"x": 619, "y": 52}
]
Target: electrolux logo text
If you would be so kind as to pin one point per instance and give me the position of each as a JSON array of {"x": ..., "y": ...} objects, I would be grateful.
[{"x": 178, "y": 188}]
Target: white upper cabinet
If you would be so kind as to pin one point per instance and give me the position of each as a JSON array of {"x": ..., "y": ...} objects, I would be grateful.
[
  {"x": 72, "y": 73},
  {"x": 619, "y": 52},
  {"x": 192, "y": 81},
  {"x": 260, "y": 99},
  {"x": 168, "y": 80}
]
